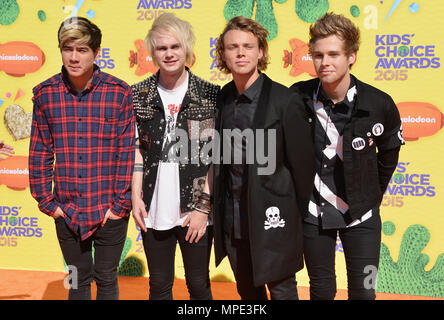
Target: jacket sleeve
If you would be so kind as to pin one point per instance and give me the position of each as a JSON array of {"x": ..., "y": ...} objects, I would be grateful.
[
  {"x": 121, "y": 205},
  {"x": 299, "y": 150},
  {"x": 41, "y": 161},
  {"x": 389, "y": 144},
  {"x": 387, "y": 161},
  {"x": 392, "y": 135}
]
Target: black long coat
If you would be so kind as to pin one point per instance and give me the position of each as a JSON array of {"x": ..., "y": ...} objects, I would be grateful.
[{"x": 276, "y": 251}]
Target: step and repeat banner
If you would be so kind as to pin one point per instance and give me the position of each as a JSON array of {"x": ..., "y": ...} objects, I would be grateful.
[{"x": 400, "y": 54}]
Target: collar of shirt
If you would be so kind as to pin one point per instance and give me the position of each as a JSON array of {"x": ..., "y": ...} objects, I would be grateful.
[
  {"x": 343, "y": 106},
  {"x": 97, "y": 76},
  {"x": 252, "y": 92}
]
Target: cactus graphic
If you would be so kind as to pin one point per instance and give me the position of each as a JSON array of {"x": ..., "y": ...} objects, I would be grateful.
[
  {"x": 407, "y": 276},
  {"x": 306, "y": 10},
  {"x": 9, "y": 12},
  {"x": 234, "y": 8},
  {"x": 264, "y": 13},
  {"x": 311, "y": 10}
]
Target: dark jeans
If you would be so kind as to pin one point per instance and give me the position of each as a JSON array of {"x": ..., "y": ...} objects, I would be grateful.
[
  {"x": 361, "y": 245},
  {"x": 160, "y": 251},
  {"x": 108, "y": 242},
  {"x": 239, "y": 255}
]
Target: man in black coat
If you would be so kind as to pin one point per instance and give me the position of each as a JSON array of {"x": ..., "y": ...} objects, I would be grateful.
[
  {"x": 267, "y": 170},
  {"x": 357, "y": 135}
]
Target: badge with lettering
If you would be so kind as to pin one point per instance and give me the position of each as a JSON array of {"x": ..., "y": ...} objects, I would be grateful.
[
  {"x": 377, "y": 129},
  {"x": 358, "y": 144}
]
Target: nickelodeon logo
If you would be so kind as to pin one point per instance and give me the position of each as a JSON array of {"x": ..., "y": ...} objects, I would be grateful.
[
  {"x": 298, "y": 58},
  {"x": 141, "y": 59},
  {"x": 419, "y": 119},
  {"x": 18, "y": 58},
  {"x": 14, "y": 172}
]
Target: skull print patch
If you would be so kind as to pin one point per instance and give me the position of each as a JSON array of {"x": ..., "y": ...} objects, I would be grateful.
[{"x": 273, "y": 218}]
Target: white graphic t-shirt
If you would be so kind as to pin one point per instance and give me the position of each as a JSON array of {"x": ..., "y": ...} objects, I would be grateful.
[{"x": 164, "y": 212}]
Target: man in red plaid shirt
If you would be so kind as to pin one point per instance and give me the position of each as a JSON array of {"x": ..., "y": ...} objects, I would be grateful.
[{"x": 83, "y": 119}]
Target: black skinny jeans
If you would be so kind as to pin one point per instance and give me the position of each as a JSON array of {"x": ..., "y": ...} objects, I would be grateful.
[
  {"x": 108, "y": 242},
  {"x": 160, "y": 251},
  {"x": 239, "y": 255},
  {"x": 361, "y": 245}
]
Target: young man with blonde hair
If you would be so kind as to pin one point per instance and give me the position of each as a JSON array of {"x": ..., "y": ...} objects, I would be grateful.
[
  {"x": 175, "y": 113},
  {"x": 83, "y": 121},
  {"x": 257, "y": 211},
  {"x": 357, "y": 136}
]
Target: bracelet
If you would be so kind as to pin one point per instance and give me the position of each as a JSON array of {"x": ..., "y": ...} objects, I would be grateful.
[
  {"x": 202, "y": 206},
  {"x": 201, "y": 211},
  {"x": 204, "y": 202}
]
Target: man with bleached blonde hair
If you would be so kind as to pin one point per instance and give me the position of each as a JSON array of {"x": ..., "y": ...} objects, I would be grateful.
[
  {"x": 171, "y": 200},
  {"x": 170, "y": 23},
  {"x": 83, "y": 120}
]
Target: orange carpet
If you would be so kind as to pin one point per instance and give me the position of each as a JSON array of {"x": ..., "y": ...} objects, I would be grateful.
[{"x": 37, "y": 285}]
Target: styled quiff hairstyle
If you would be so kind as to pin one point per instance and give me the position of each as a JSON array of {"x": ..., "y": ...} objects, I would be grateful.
[
  {"x": 247, "y": 25},
  {"x": 180, "y": 29},
  {"x": 336, "y": 24},
  {"x": 81, "y": 31}
]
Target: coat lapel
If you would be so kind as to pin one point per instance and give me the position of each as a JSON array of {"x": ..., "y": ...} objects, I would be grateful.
[
  {"x": 265, "y": 114},
  {"x": 307, "y": 96}
]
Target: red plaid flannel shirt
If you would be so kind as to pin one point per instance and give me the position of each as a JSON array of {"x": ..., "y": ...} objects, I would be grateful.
[{"x": 91, "y": 138}]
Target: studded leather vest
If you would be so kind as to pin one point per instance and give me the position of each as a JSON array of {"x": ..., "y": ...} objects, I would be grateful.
[{"x": 196, "y": 118}]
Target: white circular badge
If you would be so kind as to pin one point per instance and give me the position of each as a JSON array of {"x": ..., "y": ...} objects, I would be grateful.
[
  {"x": 358, "y": 144},
  {"x": 377, "y": 129}
]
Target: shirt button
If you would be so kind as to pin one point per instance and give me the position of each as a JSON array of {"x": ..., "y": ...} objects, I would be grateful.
[
  {"x": 323, "y": 204},
  {"x": 325, "y": 166}
]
